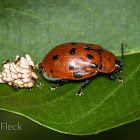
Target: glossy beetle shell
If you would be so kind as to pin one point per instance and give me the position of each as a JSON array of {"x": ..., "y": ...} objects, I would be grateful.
[{"x": 76, "y": 61}]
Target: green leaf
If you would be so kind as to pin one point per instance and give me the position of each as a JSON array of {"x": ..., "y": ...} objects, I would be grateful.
[{"x": 36, "y": 27}]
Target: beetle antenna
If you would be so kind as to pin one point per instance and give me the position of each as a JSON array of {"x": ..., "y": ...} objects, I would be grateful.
[{"x": 122, "y": 55}]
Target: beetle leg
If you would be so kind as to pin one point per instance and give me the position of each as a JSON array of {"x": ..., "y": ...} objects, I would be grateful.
[
  {"x": 118, "y": 70},
  {"x": 62, "y": 83},
  {"x": 83, "y": 86},
  {"x": 115, "y": 78}
]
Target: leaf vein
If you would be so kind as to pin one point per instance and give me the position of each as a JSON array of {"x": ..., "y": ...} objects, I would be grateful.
[
  {"x": 103, "y": 21},
  {"x": 58, "y": 27}
]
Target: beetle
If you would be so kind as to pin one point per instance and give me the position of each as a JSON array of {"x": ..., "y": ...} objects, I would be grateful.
[{"x": 77, "y": 61}]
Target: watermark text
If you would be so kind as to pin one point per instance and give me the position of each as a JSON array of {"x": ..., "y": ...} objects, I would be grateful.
[{"x": 9, "y": 127}]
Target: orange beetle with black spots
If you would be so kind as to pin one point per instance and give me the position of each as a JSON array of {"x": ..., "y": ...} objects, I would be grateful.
[{"x": 77, "y": 61}]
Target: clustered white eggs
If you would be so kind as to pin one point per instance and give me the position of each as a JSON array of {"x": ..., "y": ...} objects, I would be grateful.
[{"x": 19, "y": 73}]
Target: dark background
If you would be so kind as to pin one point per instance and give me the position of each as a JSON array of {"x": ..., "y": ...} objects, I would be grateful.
[{"x": 129, "y": 131}]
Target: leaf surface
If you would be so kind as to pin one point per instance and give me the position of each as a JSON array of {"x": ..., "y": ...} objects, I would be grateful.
[{"x": 32, "y": 27}]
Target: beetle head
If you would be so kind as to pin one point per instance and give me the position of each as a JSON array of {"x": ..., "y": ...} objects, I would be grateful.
[{"x": 39, "y": 67}]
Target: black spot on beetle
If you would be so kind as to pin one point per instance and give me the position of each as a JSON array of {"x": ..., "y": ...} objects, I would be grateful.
[
  {"x": 73, "y": 43},
  {"x": 98, "y": 52},
  {"x": 71, "y": 67},
  {"x": 109, "y": 59},
  {"x": 88, "y": 48},
  {"x": 92, "y": 65},
  {"x": 72, "y": 51},
  {"x": 90, "y": 56},
  {"x": 55, "y": 57},
  {"x": 51, "y": 71},
  {"x": 77, "y": 74}
]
